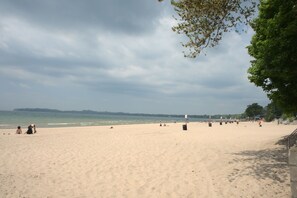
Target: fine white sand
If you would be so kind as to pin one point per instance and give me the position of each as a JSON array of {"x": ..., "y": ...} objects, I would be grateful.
[{"x": 146, "y": 161}]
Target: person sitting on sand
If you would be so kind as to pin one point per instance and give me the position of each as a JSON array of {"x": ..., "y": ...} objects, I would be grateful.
[
  {"x": 30, "y": 129},
  {"x": 19, "y": 130}
]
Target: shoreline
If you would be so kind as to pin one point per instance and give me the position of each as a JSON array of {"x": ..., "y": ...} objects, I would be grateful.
[
  {"x": 178, "y": 126},
  {"x": 9, "y": 119}
]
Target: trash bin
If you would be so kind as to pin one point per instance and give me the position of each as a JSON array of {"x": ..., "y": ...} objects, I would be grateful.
[
  {"x": 221, "y": 123},
  {"x": 209, "y": 124},
  {"x": 185, "y": 127}
]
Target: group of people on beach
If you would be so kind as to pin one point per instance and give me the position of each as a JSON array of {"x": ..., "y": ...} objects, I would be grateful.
[{"x": 31, "y": 129}]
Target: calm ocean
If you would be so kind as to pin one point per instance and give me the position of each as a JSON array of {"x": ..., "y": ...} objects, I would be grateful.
[{"x": 12, "y": 119}]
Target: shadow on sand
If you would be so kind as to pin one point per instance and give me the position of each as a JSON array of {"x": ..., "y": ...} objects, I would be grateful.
[
  {"x": 265, "y": 164},
  {"x": 289, "y": 140}
]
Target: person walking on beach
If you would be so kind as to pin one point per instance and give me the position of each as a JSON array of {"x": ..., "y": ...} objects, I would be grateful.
[
  {"x": 260, "y": 123},
  {"x": 19, "y": 130}
]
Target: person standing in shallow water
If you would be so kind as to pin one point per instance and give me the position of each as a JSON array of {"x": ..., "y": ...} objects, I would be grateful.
[{"x": 19, "y": 130}]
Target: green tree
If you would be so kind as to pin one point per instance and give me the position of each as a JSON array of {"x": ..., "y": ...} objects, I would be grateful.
[
  {"x": 272, "y": 111},
  {"x": 204, "y": 22},
  {"x": 274, "y": 47},
  {"x": 254, "y": 110}
]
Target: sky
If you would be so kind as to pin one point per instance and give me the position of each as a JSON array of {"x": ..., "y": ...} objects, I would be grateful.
[{"x": 117, "y": 56}]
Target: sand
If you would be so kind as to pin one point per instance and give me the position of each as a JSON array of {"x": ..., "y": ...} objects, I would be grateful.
[{"x": 146, "y": 161}]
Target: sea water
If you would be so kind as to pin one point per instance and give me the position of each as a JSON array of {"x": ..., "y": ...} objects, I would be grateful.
[{"x": 12, "y": 119}]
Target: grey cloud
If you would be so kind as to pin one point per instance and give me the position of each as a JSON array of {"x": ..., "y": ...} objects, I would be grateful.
[
  {"x": 113, "y": 53},
  {"x": 131, "y": 16}
]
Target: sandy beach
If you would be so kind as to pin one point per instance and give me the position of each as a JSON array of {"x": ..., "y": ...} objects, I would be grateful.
[{"x": 146, "y": 161}]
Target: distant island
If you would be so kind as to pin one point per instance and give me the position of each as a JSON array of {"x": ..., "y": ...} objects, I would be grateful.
[
  {"x": 218, "y": 116},
  {"x": 92, "y": 112}
]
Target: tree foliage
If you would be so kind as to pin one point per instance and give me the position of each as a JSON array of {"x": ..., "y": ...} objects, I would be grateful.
[
  {"x": 205, "y": 21},
  {"x": 274, "y": 47},
  {"x": 272, "y": 111},
  {"x": 254, "y": 110}
]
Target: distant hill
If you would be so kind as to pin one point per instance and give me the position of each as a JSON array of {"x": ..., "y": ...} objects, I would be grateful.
[
  {"x": 91, "y": 112},
  {"x": 218, "y": 116},
  {"x": 37, "y": 110}
]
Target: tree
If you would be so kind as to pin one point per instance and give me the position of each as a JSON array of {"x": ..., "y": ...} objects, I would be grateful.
[
  {"x": 272, "y": 111},
  {"x": 205, "y": 22},
  {"x": 254, "y": 110},
  {"x": 274, "y": 47}
]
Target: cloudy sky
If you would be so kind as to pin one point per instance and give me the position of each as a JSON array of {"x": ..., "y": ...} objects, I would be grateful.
[{"x": 118, "y": 56}]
